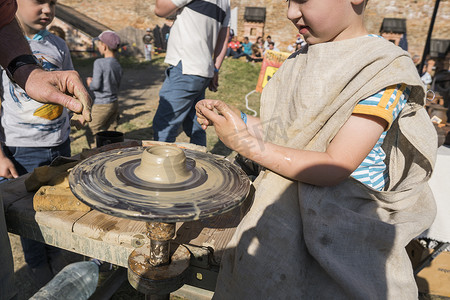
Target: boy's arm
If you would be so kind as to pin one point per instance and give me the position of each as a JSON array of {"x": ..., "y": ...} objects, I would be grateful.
[
  {"x": 97, "y": 77},
  {"x": 254, "y": 126},
  {"x": 67, "y": 63},
  {"x": 345, "y": 153}
]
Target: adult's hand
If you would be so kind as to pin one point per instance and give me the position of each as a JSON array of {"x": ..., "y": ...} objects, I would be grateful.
[
  {"x": 214, "y": 84},
  {"x": 57, "y": 87}
]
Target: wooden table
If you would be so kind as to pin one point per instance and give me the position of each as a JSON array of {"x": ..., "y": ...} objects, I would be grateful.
[{"x": 112, "y": 239}]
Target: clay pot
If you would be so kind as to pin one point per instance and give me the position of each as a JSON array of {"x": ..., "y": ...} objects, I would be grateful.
[{"x": 163, "y": 164}]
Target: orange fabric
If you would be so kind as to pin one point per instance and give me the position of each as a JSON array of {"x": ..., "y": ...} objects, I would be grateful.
[
  {"x": 234, "y": 45},
  {"x": 7, "y": 11}
]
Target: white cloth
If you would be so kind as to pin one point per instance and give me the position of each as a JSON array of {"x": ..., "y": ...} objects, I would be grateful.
[
  {"x": 440, "y": 185},
  {"x": 193, "y": 36},
  {"x": 301, "y": 241}
]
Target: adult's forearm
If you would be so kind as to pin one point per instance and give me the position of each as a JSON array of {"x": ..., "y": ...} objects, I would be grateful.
[
  {"x": 165, "y": 8},
  {"x": 12, "y": 37},
  {"x": 221, "y": 46}
]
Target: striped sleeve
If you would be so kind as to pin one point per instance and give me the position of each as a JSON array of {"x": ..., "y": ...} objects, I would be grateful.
[{"x": 385, "y": 103}]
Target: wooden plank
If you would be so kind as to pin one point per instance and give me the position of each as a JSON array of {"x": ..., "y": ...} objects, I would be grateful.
[
  {"x": 22, "y": 211},
  {"x": 114, "y": 230},
  {"x": 214, "y": 232},
  {"x": 56, "y": 228}
]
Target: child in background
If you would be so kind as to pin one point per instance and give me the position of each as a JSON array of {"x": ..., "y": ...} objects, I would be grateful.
[
  {"x": 234, "y": 48},
  {"x": 147, "y": 39},
  {"x": 256, "y": 54},
  {"x": 347, "y": 149},
  {"x": 33, "y": 133},
  {"x": 247, "y": 46},
  {"x": 105, "y": 84}
]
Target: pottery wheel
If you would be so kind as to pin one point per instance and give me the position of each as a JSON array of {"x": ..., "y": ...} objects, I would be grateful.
[{"x": 118, "y": 183}]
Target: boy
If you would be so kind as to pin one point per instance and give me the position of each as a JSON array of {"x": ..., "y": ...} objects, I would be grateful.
[
  {"x": 147, "y": 39},
  {"x": 347, "y": 149},
  {"x": 34, "y": 133},
  {"x": 247, "y": 46},
  {"x": 105, "y": 84}
]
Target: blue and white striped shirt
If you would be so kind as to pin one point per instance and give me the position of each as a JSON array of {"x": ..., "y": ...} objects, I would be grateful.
[{"x": 386, "y": 104}]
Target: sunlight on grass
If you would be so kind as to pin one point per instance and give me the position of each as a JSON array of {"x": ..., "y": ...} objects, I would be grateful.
[
  {"x": 237, "y": 78},
  {"x": 127, "y": 127}
]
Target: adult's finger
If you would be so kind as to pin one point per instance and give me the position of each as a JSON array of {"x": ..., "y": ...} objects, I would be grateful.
[
  {"x": 75, "y": 87},
  {"x": 59, "y": 87}
]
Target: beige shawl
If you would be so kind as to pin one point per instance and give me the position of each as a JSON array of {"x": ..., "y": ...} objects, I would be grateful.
[{"x": 300, "y": 241}]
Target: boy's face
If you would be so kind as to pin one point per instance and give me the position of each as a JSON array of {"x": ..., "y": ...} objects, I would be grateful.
[
  {"x": 320, "y": 21},
  {"x": 35, "y": 15}
]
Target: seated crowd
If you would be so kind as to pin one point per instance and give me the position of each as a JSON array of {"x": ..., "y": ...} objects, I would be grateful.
[{"x": 254, "y": 52}]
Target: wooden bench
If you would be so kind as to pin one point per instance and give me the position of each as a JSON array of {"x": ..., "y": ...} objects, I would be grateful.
[{"x": 112, "y": 239}]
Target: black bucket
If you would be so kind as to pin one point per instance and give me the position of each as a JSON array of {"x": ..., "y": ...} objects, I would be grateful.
[{"x": 108, "y": 137}]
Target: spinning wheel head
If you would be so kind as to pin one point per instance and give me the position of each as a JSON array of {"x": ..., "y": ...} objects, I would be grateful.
[{"x": 160, "y": 183}]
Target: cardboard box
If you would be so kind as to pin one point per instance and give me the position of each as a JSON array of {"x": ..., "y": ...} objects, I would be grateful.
[{"x": 434, "y": 279}]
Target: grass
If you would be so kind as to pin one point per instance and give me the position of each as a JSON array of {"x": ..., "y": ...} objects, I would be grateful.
[{"x": 237, "y": 78}]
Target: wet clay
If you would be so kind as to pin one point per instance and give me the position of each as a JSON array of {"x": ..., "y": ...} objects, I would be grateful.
[
  {"x": 163, "y": 164},
  {"x": 159, "y": 184}
]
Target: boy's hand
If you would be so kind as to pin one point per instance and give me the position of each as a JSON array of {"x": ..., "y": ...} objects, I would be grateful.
[
  {"x": 229, "y": 126},
  {"x": 89, "y": 81},
  {"x": 201, "y": 119},
  {"x": 7, "y": 169}
]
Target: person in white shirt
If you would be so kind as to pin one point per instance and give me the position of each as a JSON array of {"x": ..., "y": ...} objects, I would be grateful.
[{"x": 196, "y": 48}]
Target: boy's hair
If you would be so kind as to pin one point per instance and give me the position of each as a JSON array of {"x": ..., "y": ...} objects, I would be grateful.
[{"x": 272, "y": 43}]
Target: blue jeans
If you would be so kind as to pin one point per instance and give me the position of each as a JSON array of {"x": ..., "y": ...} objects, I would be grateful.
[
  {"x": 25, "y": 159},
  {"x": 177, "y": 98}
]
